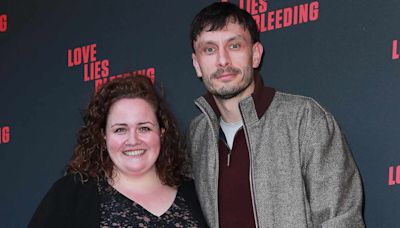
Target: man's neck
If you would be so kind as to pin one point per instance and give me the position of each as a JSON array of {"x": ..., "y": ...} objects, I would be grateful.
[{"x": 229, "y": 108}]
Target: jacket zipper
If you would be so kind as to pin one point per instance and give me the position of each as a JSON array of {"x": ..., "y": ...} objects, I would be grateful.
[
  {"x": 230, "y": 149},
  {"x": 251, "y": 176}
]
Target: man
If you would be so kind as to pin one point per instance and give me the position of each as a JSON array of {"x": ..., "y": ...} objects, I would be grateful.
[{"x": 263, "y": 158}]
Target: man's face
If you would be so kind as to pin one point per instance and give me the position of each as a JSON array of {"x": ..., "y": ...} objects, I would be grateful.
[{"x": 225, "y": 60}]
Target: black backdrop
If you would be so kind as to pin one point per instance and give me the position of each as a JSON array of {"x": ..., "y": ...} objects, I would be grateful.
[{"x": 345, "y": 55}]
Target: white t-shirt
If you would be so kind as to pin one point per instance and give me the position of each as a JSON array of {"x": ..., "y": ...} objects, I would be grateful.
[{"x": 230, "y": 130}]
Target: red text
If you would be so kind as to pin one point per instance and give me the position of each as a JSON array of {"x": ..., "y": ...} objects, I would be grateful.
[
  {"x": 281, "y": 18},
  {"x": 395, "y": 50},
  {"x": 149, "y": 72},
  {"x": 253, "y": 6},
  {"x": 4, "y": 134},
  {"x": 81, "y": 55},
  {"x": 394, "y": 175},
  {"x": 3, "y": 23},
  {"x": 96, "y": 70}
]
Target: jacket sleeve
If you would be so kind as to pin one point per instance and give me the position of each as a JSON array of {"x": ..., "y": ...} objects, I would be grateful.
[{"x": 332, "y": 181}]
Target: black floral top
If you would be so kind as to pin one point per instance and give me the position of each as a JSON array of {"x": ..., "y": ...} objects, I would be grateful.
[{"x": 116, "y": 210}]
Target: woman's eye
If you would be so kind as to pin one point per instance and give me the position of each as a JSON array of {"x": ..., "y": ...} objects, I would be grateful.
[
  {"x": 144, "y": 129},
  {"x": 120, "y": 130}
]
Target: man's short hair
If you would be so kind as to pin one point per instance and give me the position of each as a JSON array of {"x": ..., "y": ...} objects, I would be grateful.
[{"x": 217, "y": 15}]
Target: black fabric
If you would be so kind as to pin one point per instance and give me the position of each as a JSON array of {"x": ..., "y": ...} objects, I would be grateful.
[
  {"x": 71, "y": 203},
  {"x": 188, "y": 192}
]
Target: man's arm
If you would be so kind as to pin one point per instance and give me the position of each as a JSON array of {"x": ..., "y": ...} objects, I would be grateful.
[{"x": 333, "y": 183}]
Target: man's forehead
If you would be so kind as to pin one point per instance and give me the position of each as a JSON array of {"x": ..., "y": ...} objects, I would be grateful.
[{"x": 230, "y": 29}]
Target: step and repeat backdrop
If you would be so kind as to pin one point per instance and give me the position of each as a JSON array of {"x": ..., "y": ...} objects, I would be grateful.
[{"x": 55, "y": 54}]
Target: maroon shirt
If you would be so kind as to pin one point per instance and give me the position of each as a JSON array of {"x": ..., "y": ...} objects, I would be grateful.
[
  {"x": 235, "y": 206},
  {"x": 234, "y": 197}
]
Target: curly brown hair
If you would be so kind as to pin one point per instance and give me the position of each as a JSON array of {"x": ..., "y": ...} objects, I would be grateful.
[{"x": 91, "y": 159}]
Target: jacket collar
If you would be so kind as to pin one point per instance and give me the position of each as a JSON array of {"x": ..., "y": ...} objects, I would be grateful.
[{"x": 261, "y": 98}]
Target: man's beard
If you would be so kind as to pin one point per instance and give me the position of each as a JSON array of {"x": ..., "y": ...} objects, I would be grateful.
[{"x": 228, "y": 92}]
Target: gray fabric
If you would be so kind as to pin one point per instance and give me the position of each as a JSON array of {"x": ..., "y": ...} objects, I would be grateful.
[{"x": 302, "y": 172}]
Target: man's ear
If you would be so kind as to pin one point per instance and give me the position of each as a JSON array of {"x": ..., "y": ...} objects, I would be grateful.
[
  {"x": 196, "y": 66},
  {"x": 257, "y": 54}
]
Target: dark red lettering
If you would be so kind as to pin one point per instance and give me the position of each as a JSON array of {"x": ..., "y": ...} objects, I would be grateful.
[
  {"x": 314, "y": 11},
  {"x": 394, "y": 177},
  {"x": 254, "y": 5},
  {"x": 77, "y": 56},
  {"x": 263, "y": 6},
  {"x": 303, "y": 14},
  {"x": 241, "y": 4},
  {"x": 70, "y": 63},
  {"x": 5, "y": 134},
  {"x": 97, "y": 69},
  {"x": 270, "y": 24},
  {"x": 287, "y": 17},
  {"x": 89, "y": 53},
  {"x": 3, "y": 23},
  {"x": 295, "y": 14},
  {"x": 87, "y": 74},
  {"x": 99, "y": 83},
  {"x": 395, "y": 50},
  {"x": 278, "y": 19},
  {"x": 104, "y": 68},
  {"x": 151, "y": 74}
]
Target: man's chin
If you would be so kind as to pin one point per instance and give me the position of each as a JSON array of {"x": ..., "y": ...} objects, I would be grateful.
[{"x": 226, "y": 94}]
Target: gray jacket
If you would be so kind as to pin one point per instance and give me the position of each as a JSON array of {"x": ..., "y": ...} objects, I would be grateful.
[{"x": 302, "y": 173}]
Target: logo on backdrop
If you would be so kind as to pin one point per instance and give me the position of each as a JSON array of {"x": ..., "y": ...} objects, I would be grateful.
[
  {"x": 98, "y": 70},
  {"x": 268, "y": 19},
  {"x": 3, "y": 22},
  {"x": 149, "y": 72},
  {"x": 92, "y": 68},
  {"x": 4, "y": 134},
  {"x": 395, "y": 50},
  {"x": 394, "y": 175}
]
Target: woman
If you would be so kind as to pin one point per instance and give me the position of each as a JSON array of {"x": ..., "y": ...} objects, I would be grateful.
[{"x": 128, "y": 167}]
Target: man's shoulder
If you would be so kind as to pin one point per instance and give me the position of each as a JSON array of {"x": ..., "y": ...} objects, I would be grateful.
[
  {"x": 294, "y": 102},
  {"x": 198, "y": 121}
]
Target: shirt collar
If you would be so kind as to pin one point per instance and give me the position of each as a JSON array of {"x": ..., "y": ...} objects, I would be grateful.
[{"x": 262, "y": 97}]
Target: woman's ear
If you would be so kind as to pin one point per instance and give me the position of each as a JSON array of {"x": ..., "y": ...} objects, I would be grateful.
[{"x": 103, "y": 134}]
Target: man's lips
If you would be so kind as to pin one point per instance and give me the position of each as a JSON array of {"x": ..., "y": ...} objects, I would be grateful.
[{"x": 225, "y": 76}]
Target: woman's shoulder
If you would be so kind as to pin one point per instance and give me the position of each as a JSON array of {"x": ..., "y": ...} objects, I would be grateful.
[
  {"x": 68, "y": 197},
  {"x": 74, "y": 179},
  {"x": 71, "y": 183}
]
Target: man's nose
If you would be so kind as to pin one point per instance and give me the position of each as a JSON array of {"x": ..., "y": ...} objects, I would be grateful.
[{"x": 223, "y": 58}]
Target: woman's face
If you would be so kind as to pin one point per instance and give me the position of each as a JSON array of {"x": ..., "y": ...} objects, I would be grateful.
[{"x": 132, "y": 136}]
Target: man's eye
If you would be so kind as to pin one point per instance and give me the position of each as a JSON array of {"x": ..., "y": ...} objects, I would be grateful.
[
  {"x": 209, "y": 50},
  {"x": 235, "y": 46}
]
